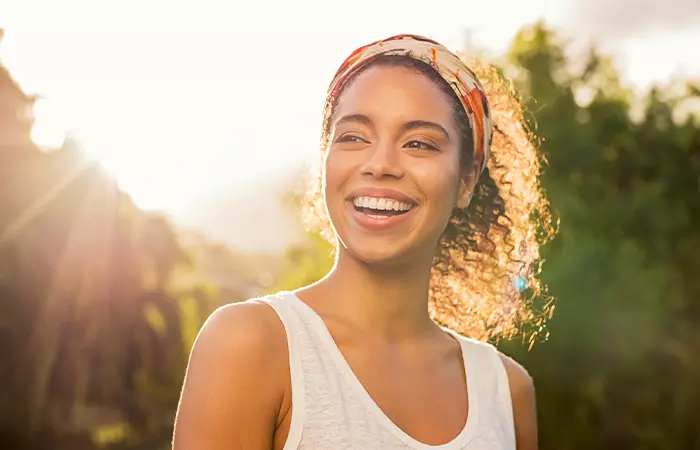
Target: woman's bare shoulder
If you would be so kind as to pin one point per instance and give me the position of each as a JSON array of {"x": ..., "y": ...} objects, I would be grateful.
[
  {"x": 250, "y": 327},
  {"x": 522, "y": 392},
  {"x": 243, "y": 335},
  {"x": 519, "y": 379},
  {"x": 235, "y": 380}
]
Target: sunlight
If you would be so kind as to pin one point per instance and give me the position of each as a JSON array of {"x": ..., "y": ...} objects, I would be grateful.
[
  {"x": 37, "y": 207},
  {"x": 134, "y": 165},
  {"x": 48, "y": 131},
  {"x": 181, "y": 113},
  {"x": 178, "y": 114}
]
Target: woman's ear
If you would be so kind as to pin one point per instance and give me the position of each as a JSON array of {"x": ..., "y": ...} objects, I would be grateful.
[{"x": 467, "y": 184}]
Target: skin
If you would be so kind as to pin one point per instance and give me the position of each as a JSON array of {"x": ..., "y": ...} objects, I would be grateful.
[{"x": 237, "y": 392}]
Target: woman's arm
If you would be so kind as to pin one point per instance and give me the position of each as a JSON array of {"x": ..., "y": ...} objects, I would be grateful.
[
  {"x": 235, "y": 381},
  {"x": 522, "y": 393}
]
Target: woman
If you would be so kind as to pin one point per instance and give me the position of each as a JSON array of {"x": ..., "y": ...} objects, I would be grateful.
[{"x": 427, "y": 233}]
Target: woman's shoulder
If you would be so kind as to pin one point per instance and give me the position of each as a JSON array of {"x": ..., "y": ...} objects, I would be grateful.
[
  {"x": 243, "y": 336},
  {"x": 248, "y": 327},
  {"x": 519, "y": 379},
  {"x": 522, "y": 396},
  {"x": 238, "y": 358},
  {"x": 514, "y": 379}
]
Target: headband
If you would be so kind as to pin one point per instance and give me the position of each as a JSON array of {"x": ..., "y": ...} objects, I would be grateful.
[{"x": 451, "y": 68}]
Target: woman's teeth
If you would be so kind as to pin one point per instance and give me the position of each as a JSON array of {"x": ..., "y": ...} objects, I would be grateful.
[{"x": 380, "y": 204}]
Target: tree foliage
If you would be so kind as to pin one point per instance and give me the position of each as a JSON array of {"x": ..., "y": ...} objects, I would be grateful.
[
  {"x": 91, "y": 335},
  {"x": 618, "y": 370}
]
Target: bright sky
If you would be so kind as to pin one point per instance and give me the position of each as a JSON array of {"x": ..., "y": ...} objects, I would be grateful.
[{"x": 181, "y": 98}]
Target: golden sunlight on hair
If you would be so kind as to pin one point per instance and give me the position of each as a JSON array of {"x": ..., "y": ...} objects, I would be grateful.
[{"x": 488, "y": 287}]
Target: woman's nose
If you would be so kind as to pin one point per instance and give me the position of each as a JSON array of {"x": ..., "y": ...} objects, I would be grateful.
[{"x": 383, "y": 161}]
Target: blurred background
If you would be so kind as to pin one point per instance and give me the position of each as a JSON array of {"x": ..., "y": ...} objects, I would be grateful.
[{"x": 150, "y": 153}]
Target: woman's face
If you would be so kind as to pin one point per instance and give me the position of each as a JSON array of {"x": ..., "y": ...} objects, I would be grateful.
[{"x": 392, "y": 171}]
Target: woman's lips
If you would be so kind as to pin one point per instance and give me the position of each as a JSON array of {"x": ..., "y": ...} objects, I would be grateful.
[
  {"x": 376, "y": 221},
  {"x": 379, "y": 193}
]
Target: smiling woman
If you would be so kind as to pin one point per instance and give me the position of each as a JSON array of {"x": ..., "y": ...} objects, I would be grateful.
[
  {"x": 429, "y": 190},
  {"x": 497, "y": 236}
]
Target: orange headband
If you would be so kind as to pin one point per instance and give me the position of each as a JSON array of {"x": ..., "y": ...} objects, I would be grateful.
[{"x": 451, "y": 68}]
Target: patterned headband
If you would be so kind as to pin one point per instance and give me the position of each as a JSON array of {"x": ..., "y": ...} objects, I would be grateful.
[{"x": 451, "y": 68}]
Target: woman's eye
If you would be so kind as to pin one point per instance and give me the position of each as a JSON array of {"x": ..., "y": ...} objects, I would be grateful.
[
  {"x": 420, "y": 145},
  {"x": 350, "y": 138}
]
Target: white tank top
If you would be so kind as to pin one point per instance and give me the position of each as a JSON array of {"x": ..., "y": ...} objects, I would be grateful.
[{"x": 331, "y": 410}]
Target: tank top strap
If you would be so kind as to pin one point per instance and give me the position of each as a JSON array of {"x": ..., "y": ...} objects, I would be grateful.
[
  {"x": 293, "y": 326},
  {"x": 503, "y": 398},
  {"x": 492, "y": 383}
]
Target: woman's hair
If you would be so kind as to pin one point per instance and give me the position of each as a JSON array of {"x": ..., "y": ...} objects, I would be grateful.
[{"x": 484, "y": 279}]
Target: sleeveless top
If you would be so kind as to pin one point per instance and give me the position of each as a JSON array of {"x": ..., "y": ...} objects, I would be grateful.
[{"x": 331, "y": 410}]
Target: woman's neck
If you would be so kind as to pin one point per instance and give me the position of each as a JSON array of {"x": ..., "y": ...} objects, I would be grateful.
[{"x": 391, "y": 301}]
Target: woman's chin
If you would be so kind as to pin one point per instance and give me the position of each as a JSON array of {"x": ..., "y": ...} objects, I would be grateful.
[{"x": 379, "y": 253}]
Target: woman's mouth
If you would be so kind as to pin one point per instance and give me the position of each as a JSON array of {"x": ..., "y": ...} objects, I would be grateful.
[
  {"x": 380, "y": 208},
  {"x": 380, "y": 213}
]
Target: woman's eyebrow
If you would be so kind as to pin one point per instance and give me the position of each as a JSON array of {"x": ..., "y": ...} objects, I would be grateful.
[
  {"x": 416, "y": 124},
  {"x": 359, "y": 118},
  {"x": 408, "y": 126}
]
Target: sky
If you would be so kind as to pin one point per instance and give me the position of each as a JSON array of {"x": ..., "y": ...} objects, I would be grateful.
[{"x": 184, "y": 99}]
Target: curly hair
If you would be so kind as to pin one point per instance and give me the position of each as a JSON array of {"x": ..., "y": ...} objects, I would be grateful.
[{"x": 484, "y": 280}]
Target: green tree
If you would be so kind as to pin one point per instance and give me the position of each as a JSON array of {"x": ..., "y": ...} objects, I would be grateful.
[
  {"x": 617, "y": 371},
  {"x": 305, "y": 262},
  {"x": 91, "y": 332}
]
